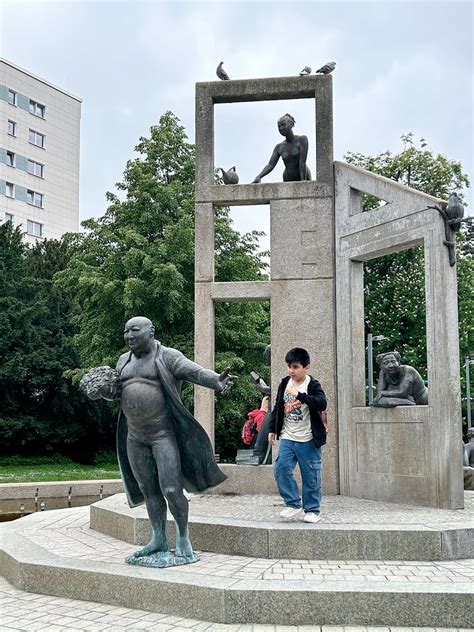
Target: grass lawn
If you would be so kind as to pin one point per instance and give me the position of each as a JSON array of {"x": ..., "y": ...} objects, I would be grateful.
[{"x": 41, "y": 469}]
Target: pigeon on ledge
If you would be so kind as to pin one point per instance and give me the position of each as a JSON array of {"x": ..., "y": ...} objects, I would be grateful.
[
  {"x": 326, "y": 69},
  {"x": 221, "y": 73}
]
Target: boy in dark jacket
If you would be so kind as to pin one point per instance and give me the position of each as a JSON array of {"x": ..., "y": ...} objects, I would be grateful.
[{"x": 296, "y": 421}]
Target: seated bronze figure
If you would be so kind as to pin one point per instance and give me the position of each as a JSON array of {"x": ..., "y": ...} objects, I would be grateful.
[{"x": 399, "y": 384}]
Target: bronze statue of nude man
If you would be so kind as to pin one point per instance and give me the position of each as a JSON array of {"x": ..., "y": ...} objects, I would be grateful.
[{"x": 161, "y": 447}]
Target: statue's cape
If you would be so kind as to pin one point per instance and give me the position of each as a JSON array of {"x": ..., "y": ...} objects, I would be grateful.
[{"x": 198, "y": 465}]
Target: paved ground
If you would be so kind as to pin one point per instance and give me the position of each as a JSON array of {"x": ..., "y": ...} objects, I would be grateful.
[
  {"x": 67, "y": 534},
  {"x": 28, "y": 611},
  {"x": 335, "y": 510}
]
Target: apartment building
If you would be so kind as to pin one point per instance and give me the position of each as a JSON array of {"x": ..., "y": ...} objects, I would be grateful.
[{"x": 39, "y": 154}]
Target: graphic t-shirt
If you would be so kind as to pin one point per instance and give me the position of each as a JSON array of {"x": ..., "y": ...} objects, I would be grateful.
[{"x": 297, "y": 419}]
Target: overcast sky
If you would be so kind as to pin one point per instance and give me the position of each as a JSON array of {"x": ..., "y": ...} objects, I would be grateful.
[{"x": 401, "y": 67}]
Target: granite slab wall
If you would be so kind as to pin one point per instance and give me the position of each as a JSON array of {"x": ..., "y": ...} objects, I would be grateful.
[
  {"x": 408, "y": 453},
  {"x": 301, "y": 284}
]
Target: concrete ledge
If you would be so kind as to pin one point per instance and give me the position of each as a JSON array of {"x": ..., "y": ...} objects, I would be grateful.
[
  {"x": 9, "y": 491},
  {"x": 263, "y": 89},
  {"x": 241, "y": 291},
  {"x": 225, "y": 600},
  {"x": 264, "y": 192},
  {"x": 337, "y": 604},
  {"x": 33, "y": 569},
  {"x": 274, "y": 540},
  {"x": 247, "y": 479},
  {"x": 241, "y": 479}
]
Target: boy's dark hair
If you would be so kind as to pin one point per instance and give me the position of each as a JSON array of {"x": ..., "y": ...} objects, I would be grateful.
[{"x": 297, "y": 355}]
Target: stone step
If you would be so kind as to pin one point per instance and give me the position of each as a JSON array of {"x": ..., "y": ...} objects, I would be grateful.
[
  {"x": 350, "y": 529},
  {"x": 57, "y": 553}
]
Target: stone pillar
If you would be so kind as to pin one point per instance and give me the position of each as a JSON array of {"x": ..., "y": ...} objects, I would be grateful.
[
  {"x": 301, "y": 286},
  {"x": 302, "y": 301},
  {"x": 204, "y": 312}
]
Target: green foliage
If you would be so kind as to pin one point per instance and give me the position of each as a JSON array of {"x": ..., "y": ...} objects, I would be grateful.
[
  {"x": 241, "y": 337},
  {"x": 394, "y": 302},
  {"x": 102, "y": 457},
  {"x": 416, "y": 167},
  {"x": 40, "y": 410},
  {"x": 394, "y": 284},
  {"x": 138, "y": 259}
]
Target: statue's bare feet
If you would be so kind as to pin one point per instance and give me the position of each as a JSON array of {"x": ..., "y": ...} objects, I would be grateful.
[
  {"x": 184, "y": 548},
  {"x": 155, "y": 545}
]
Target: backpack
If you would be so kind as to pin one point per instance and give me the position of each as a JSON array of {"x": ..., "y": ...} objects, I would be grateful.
[{"x": 249, "y": 431}]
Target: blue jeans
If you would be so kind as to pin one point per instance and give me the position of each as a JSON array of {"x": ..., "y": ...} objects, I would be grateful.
[{"x": 308, "y": 457}]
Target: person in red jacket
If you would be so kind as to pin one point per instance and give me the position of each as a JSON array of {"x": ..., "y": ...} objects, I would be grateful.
[
  {"x": 254, "y": 423},
  {"x": 296, "y": 420}
]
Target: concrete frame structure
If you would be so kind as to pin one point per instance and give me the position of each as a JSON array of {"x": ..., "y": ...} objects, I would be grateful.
[
  {"x": 404, "y": 454},
  {"x": 302, "y": 261},
  {"x": 40, "y": 133},
  {"x": 407, "y": 453}
]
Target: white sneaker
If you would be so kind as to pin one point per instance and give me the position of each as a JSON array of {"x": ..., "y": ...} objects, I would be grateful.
[
  {"x": 312, "y": 517},
  {"x": 291, "y": 513}
]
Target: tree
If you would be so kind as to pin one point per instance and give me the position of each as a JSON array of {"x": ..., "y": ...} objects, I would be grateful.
[
  {"x": 138, "y": 259},
  {"x": 40, "y": 410},
  {"x": 394, "y": 284},
  {"x": 416, "y": 167}
]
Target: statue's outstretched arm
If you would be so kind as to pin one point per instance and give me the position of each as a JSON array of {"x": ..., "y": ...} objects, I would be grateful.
[
  {"x": 184, "y": 369},
  {"x": 271, "y": 165}
]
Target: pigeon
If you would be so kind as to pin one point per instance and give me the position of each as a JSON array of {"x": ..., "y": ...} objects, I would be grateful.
[
  {"x": 306, "y": 71},
  {"x": 326, "y": 69},
  {"x": 221, "y": 73}
]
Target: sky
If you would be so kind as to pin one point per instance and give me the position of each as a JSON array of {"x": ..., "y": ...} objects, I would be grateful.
[{"x": 401, "y": 67}]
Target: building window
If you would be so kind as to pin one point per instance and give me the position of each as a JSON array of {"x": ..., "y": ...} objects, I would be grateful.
[
  {"x": 11, "y": 97},
  {"x": 9, "y": 189},
  {"x": 32, "y": 197},
  {"x": 37, "y": 109},
  {"x": 12, "y": 128},
  {"x": 34, "y": 228},
  {"x": 36, "y": 138},
  {"x": 10, "y": 159},
  {"x": 35, "y": 168},
  {"x": 9, "y": 217}
]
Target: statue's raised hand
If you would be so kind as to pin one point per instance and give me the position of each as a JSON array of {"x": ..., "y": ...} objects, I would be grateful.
[{"x": 226, "y": 380}]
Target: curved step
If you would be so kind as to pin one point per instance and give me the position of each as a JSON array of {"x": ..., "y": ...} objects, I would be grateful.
[
  {"x": 350, "y": 529},
  {"x": 56, "y": 553}
]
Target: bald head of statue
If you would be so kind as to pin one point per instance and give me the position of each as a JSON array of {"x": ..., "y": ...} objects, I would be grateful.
[{"x": 139, "y": 334}]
